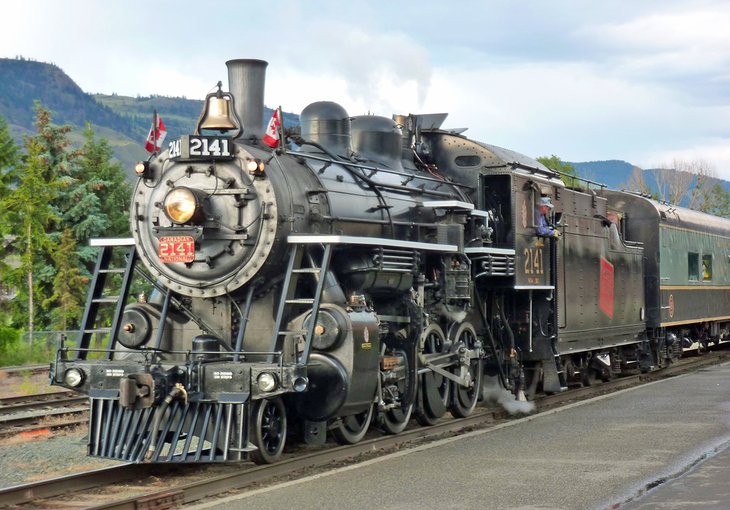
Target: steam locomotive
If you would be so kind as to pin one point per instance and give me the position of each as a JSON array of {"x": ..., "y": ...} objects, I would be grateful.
[{"x": 369, "y": 271}]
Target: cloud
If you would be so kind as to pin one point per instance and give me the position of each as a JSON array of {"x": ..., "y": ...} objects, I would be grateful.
[
  {"x": 715, "y": 151},
  {"x": 585, "y": 84},
  {"x": 377, "y": 69},
  {"x": 574, "y": 110},
  {"x": 688, "y": 46}
]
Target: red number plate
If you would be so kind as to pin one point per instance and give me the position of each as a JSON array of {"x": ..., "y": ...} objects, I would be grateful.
[{"x": 176, "y": 249}]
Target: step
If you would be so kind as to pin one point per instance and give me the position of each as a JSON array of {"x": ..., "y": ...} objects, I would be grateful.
[
  {"x": 98, "y": 330},
  {"x": 293, "y": 332},
  {"x": 106, "y": 300},
  {"x": 308, "y": 270},
  {"x": 119, "y": 270},
  {"x": 304, "y": 301}
]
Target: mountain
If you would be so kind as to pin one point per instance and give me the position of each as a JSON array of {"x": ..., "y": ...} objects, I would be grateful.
[
  {"x": 22, "y": 82},
  {"x": 613, "y": 173},
  {"x": 616, "y": 174},
  {"x": 123, "y": 121}
]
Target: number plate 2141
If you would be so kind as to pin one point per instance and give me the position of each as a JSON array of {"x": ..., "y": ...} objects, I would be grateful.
[
  {"x": 201, "y": 147},
  {"x": 176, "y": 249}
]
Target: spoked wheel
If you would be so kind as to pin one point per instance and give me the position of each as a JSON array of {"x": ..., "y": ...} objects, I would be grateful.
[
  {"x": 394, "y": 421},
  {"x": 463, "y": 399},
  {"x": 268, "y": 430},
  {"x": 351, "y": 429},
  {"x": 433, "y": 388}
]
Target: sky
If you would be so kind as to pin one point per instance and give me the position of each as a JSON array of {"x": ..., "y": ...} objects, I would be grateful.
[{"x": 645, "y": 81}]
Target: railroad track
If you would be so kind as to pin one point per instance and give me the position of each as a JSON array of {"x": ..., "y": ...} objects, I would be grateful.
[
  {"x": 52, "y": 410},
  {"x": 176, "y": 485},
  {"x": 28, "y": 369}
]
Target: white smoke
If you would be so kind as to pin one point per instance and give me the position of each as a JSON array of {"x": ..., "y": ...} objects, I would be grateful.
[
  {"x": 450, "y": 313},
  {"x": 497, "y": 394}
]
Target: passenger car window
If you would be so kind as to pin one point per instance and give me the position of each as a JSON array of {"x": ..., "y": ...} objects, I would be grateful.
[
  {"x": 693, "y": 266},
  {"x": 706, "y": 267}
]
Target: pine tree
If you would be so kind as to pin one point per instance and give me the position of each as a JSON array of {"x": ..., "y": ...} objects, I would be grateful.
[
  {"x": 31, "y": 217},
  {"x": 8, "y": 163},
  {"x": 69, "y": 285},
  {"x": 27, "y": 215},
  {"x": 97, "y": 163},
  {"x": 8, "y": 158},
  {"x": 79, "y": 205}
]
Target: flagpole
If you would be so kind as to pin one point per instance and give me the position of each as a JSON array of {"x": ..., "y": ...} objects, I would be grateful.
[
  {"x": 280, "y": 128},
  {"x": 154, "y": 127}
]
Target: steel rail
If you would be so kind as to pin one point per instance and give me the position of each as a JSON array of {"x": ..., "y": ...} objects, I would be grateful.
[{"x": 19, "y": 403}]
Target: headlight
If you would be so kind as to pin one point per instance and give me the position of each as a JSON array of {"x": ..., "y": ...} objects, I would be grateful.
[
  {"x": 181, "y": 204},
  {"x": 73, "y": 377},
  {"x": 266, "y": 382}
]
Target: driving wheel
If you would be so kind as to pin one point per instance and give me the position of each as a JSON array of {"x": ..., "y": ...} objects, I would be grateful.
[{"x": 464, "y": 398}]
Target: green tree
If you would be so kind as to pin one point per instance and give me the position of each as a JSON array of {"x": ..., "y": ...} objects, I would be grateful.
[
  {"x": 31, "y": 216},
  {"x": 80, "y": 207},
  {"x": 69, "y": 285},
  {"x": 8, "y": 158},
  {"x": 568, "y": 173},
  {"x": 27, "y": 215},
  {"x": 716, "y": 200},
  {"x": 56, "y": 155},
  {"x": 8, "y": 163},
  {"x": 97, "y": 163},
  {"x": 92, "y": 202},
  {"x": 94, "y": 197}
]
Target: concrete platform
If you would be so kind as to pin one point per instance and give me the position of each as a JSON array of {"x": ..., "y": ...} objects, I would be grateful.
[
  {"x": 603, "y": 453},
  {"x": 705, "y": 486}
]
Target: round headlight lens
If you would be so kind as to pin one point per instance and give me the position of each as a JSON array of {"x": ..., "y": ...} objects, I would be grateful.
[
  {"x": 300, "y": 384},
  {"x": 266, "y": 382},
  {"x": 73, "y": 377},
  {"x": 181, "y": 205}
]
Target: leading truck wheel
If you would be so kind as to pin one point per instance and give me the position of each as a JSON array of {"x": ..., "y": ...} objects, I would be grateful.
[
  {"x": 268, "y": 430},
  {"x": 464, "y": 399}
]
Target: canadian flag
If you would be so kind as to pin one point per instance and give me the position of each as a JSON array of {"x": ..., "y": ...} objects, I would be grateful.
[
  {"x": 271, "y": 137},
  {"x": 156, "y": 137}
]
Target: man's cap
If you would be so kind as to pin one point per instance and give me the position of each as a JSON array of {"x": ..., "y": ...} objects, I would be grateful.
[{"x": 546, "y": 201}]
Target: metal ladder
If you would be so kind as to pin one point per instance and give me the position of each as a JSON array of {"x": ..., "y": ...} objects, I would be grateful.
[
  {"x": 96, "y": 299},
  {"x": 289, "y": 304}
]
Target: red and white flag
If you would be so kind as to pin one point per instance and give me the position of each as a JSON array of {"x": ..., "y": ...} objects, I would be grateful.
[
  {"x": 156, "y": 136},
  {"x": 271, "y": 136}
]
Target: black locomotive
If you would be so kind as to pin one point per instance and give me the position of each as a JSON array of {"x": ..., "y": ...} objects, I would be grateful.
[{"x": 381, "y": 268}]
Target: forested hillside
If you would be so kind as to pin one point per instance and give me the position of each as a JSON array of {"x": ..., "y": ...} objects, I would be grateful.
[
  {"x": 22, "y": 82},
  {"x": 121, "y": 120}
]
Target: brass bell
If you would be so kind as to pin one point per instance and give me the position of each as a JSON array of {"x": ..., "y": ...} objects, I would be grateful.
[{"x": 217, "y": 113}]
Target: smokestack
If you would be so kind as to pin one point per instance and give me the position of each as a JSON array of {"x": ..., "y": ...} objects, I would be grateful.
[{"x": 246, "y": 79}]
